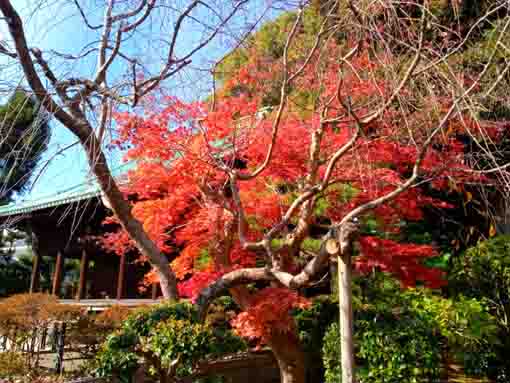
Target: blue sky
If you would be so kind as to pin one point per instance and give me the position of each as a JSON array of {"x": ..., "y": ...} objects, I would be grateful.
[
  {"x": 70, "y": 168},
  {"x": 57, "y": 26}
]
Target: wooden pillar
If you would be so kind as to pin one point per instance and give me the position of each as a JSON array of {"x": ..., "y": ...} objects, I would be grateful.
[
  {"x": 155, "y": 290},
  {"x": 57, "y": 276},
  {"x": 120, "y": 281},
  {"x": 84, "y": 266},
  {"x": 36, "y": 265}
]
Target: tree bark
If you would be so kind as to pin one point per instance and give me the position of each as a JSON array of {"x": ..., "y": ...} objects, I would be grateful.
[
  {"x": 346, "y": 318},
  {"x": 290, "y": 357},
  {"x": 285, "y": 346}
]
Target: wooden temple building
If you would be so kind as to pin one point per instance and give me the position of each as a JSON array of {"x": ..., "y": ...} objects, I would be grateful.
[{"x": 64, "y": 226}]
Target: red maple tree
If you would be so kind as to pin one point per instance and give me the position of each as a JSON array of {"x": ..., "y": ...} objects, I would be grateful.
[{"x": 234, "y": 197}]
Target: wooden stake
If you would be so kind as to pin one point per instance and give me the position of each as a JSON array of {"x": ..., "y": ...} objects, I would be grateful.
[{"x": 346, "y": 317}]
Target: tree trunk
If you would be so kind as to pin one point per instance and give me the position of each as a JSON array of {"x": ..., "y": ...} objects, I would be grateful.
[
  {"x": 122, "y": 211},
  {"x": 285, "y": 347},
  {"x": 346, "y": 318},
  {"x": 290, "y": 357}
]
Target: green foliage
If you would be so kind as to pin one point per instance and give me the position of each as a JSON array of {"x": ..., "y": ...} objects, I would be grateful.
[
  {"x": 483, "y": 272},
  {"x": 220, "y": 312},
  {"x": 400, "y": 334},
  {"x": 269, "y": 41},
  {"x": 118, "y": 355},
  {"x": 24, "y": 137},
  {"x": 393, "y": 342},
  {"x": 417, "y": 232},
  {"x": 466, "y": 326},
  {"x": 464, "y": 322},
  {"x": 183, "y": 343},
  {"x": 14, "y": 272},
  {"x": 313, "y": 322},
  {"x": 203, "y": 260},
  {"x": 321, "y": 205},
  {"x": 179, "y": 341},
  {"x": 348, "y": 192},
  {"x": 392, "y": 349},
  {"x": 311, "y": 244},
  {"x": 167, "y": 338},
  {"x": 311, "y": 325}
]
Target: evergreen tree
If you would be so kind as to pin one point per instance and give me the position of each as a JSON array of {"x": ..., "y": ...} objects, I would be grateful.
[
  {"x": 24, "y": 136},
  {"x": 14, "y": 271}
]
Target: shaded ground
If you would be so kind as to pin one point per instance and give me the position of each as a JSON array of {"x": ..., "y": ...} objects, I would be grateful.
[
  {"x": 456, "y": 375},
  {"x": 70, "y": 362}
]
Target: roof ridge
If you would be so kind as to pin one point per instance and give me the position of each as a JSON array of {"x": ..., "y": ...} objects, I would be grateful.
[{"x": 76, "y": 193}]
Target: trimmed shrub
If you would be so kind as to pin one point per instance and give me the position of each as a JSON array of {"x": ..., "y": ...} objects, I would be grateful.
[
  {"x": 400, "y": 335},
  {"x": 389, "y": 348},
  {"x": 166, "y": 340}
]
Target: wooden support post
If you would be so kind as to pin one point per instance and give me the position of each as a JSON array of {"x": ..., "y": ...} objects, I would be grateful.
[
  {"x": 36, "y": 265},
  {"x": 342, "y": 247},
  {"x": 346, "y": 318},
  {"x": 57, "y": 276},
  {"x": 84, "y": 266},
  {"x": 44, "y": 335},
  {"x": 155, "y": 291},
  {"x": 59, "y": 362},
  {"x": 120, "y": 281}
]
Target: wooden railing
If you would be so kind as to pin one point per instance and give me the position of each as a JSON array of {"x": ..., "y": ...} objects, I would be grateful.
[{"x": 49, "y": 340}]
